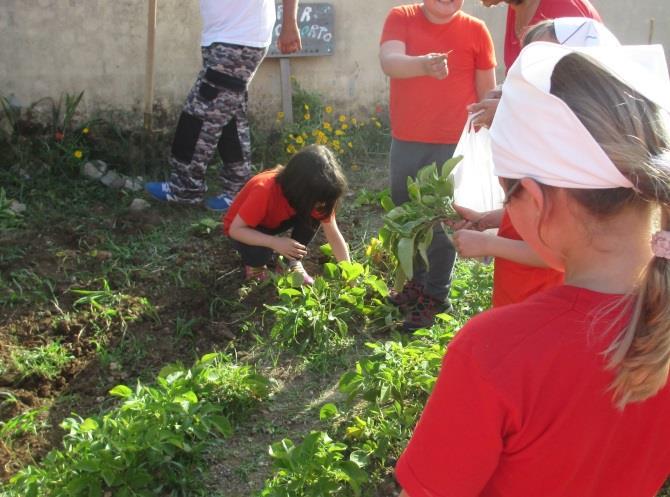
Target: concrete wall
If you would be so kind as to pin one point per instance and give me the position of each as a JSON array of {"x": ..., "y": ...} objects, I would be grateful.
[{"x": 53, "y": 46}]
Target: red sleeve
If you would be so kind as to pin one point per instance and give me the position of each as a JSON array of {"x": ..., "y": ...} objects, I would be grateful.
[
  {"x": 456, "y": 445},
  {"x": 486, "y": 55},
  {"x": 572, "y": 8},
  {"x": 395, "y": 27},
  {"x": 255, "y": 205}
]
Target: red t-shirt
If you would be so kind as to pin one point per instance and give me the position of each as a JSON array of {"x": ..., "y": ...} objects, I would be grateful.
[
  {"x": 548, "y": 9},
  {"x": 429, "y": 110},
  {"x": 262, "y": 203},
  {"x": 514, "y": 282},
  {"x": 521, "y": 408}
]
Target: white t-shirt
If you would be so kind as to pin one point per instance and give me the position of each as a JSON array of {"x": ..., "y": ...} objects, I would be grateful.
[{"x": 240, "y": 22}]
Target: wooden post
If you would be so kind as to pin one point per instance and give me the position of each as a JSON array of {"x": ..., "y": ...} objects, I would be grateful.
[
  {"x": 149, "y": 70},
  {"x": 286, "y": 89}
]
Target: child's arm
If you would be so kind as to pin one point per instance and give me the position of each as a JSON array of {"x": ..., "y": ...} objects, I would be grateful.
[
  {"x": 485, "y": 81},
  {"x": 287, "y": 247},
  {"x": 397, "y": 64},
  {"x": 336, "y": 240},
  {"x": 470, "y": 243}
]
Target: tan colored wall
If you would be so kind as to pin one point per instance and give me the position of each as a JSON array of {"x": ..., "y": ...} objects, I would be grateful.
[{"x": 53, "y": 46}]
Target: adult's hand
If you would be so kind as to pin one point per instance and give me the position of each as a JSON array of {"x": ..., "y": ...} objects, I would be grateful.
[
  {"x": 485, "y": 110},
  {"x": 289, "y": 38},
  {"x": 470, "y": 243}
]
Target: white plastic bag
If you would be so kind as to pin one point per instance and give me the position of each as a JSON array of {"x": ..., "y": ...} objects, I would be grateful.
[{"x": 475, "y": 185}]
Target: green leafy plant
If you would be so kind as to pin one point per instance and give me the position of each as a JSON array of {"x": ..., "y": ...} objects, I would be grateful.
[
  {"x": 206, "y": 226},
  {"x": 154, "y": 442},
  {"x": 316, "y": 467},
  {"x": 408, "y": 228},
  {"x": 9, "y": 218},
  {"x": 28, "y": 422}
]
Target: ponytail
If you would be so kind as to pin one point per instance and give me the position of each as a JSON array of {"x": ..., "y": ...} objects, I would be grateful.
[{"x": 633, "y": 132}]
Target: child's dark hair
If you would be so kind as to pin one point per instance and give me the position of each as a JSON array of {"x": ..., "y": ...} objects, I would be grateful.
[{"x": 313, "y": 180}]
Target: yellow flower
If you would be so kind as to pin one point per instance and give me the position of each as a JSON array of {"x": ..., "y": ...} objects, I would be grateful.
[
  {"x": 299, "y": 139},
  {"x": 350, "y": 145},
  {"x": 291, "y": 149},
  {"x": 342, "y": 118},
  {"x": 85, "y": 131},
  {"x": 378, "y": 124},
  {"x": 280, "y": 116},
  {"x": 306, "y": 107},
  {"x": 336, "y": 144},
  {"x": 306, "y": 116},
  {"x": 78, "y": 154},
  {"x": 339, "y": 132},
  {"x": 328, "y": 109},
  {"x": 354, "y": 121},
  {"x": 344, "y": 126},
  {"x": 356, "y": 167},
  {"x": 327, "y": 126},
  {"x": 316, "y": 132}
]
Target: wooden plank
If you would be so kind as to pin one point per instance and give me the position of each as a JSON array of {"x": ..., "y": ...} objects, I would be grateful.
[
  {"x": 286, "y": 89},
  {"x": 149, "y": 70}
]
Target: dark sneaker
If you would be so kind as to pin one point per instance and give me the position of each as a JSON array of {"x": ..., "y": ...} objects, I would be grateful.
[
  {"x": 158, "y": 190},
  {"x": 424, "y": 312},
  {"x": 220, "y": 203},
  {"x": 407, "y": 297}
]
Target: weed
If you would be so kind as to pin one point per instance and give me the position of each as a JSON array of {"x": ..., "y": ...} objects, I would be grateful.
[
  {"x": 46, "y": 361},
  {"x": 28, "y": 422}
]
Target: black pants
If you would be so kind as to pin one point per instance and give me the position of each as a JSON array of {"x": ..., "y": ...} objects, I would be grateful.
[{"x": 257, "y": 256}]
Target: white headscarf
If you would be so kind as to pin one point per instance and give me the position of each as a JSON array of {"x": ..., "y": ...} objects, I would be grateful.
[
  {"x": 535, "y": 134},
  {"x": 583, "y": 32}
]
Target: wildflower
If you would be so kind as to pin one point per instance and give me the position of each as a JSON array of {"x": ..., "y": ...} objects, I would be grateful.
[
  {"x": 85, "y": 131},
  {"x": 306, "y": 106},
  {"x": 306, "y": 116},
  {"x": 344, "y": 126},
  {"x": 59, "y": 135},
  {"x": 280, "y": 116},
  {"x": 291, "y": 149},
  {"x": 299, "y": 139},
  {"x": 327, "y": 126},
  {"x": 350, "y": 145},
  {"x": 339, "y": 132},
  {"x": 356, "y": 167},
  {"x": 378, "y": 124},
  {"x": 342, "y": 118},
  {"x": 354, "y": 121},
  {"x": 336, "y": 144},
  {"x": 78, "y": 154},
  {"x": 328, "y": 109}
]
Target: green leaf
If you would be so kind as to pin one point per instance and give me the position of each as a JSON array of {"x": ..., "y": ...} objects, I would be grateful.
[
  {"x": 88, "y": 425},
  {"x": 406, "y": 256},
  {"x": 330, "y": 271},
  {"x": 449, "y": 165},
  {"x": 387, "y": 203},
  {"x": 424, "y": 242},
  {"x": 328, "y": 411},
  {"x": 222, "y": 424},
  {"x": 121, "y": 391},
  {"x": 359, "y": 458},
  {"x": 326, "y": 250}
]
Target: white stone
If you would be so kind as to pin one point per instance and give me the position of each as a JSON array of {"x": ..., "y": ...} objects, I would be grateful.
[
  {"x": 17, "y": 207},
  {"x": 133, "y": 184},
  {"x": 113, "y": 179},
  {"x": 138, "y": 205},
  {"x": 94, "y": 169}
]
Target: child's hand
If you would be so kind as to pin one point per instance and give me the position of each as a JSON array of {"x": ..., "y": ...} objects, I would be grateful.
[
  {"x": 470, "y": 243},
  {"x": 469, "y": 218},
  {"x": 435, "y": 65},
  {"x": 288, "y": 247}
]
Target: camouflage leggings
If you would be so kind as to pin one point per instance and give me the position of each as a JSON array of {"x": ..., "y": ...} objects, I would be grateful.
[{"x": 215, "y": 115}]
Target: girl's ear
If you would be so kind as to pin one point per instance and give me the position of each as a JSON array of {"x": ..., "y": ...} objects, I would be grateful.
[{"x": 535, "y": 194}]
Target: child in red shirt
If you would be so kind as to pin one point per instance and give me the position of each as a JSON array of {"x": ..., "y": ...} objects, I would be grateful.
[
  {"x": 566, "y": 394},
  {"x": 440, "y": 60},
  {"x": 300, "y": 196}
]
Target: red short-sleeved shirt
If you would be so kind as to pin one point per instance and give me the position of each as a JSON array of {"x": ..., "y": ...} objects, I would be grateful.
[
  {"x": 262, "y": 203},
  {"x": 548, "y": 9},
  {"x": 521, "y": 408},
  {"x": 425, "y": 109},
  {"x": 514, "y": 282}
]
